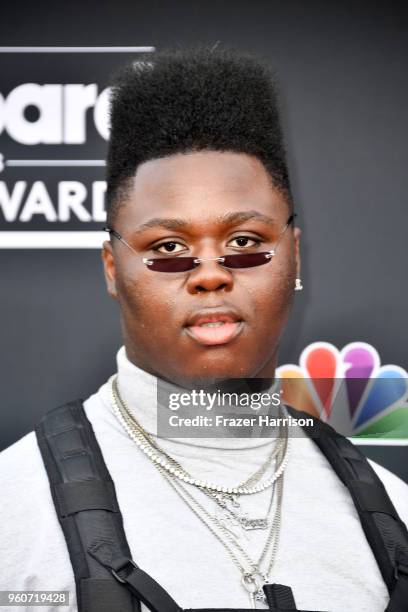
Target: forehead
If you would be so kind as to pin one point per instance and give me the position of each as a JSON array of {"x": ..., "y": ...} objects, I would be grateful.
[{"x": 200, "y": 187}]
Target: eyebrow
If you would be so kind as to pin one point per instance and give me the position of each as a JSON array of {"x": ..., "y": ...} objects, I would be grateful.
[{"x": 232, "y": 218}]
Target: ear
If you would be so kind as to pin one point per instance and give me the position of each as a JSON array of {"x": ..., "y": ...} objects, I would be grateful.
[
  {"x": 296, "y": 234},
  {"x": 109, "y": 268}
]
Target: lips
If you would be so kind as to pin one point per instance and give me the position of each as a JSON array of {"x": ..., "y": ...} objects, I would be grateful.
[{"x": 213, "y": 327}]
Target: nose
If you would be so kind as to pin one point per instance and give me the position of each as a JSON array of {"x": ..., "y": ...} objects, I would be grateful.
[{"x": 209, "y": 276}]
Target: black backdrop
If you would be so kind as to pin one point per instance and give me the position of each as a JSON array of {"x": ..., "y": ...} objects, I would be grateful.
[{"x": 342, "y": 67}]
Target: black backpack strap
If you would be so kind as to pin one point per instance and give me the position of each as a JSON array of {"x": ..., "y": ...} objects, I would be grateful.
[
  {"x": 105, "y": 575},
  {"x": 85, "y": 501},
  {"x": 143, "y": 586},
  {"x": 385, "y": 531},
  {"x": 279, "y": 596}
]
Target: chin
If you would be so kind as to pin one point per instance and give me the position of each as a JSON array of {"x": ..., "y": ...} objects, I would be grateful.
[{"x": 213, "y": 374}]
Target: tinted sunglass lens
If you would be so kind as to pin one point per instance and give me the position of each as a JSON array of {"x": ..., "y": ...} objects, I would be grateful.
[
  {"x": 246, "y": 260},
  {"x": 172, "y": 264},
  {"x": 184, "y": 264}
]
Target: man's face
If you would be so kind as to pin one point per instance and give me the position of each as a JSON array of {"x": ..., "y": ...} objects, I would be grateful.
[{"x": 210, "y": 322}]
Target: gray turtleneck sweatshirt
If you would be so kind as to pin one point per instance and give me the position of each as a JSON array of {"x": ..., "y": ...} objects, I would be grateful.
[{"x": 323, "y": 553}]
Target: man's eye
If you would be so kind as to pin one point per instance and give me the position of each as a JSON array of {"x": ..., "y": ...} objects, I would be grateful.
[
  {"x": 244, "y": 241},
  {"x": 169, "y": 247}
]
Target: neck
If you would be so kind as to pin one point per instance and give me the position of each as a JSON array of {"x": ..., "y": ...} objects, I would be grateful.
[{"x": 146, "y": 396}]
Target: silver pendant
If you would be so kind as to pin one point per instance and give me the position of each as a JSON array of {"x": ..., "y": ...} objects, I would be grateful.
[
  {"x": 248, "y": 523},
  {"x": 260, "y": 596},
  {"x": 253, "y": 584},
  {"x": 234, "y": 501},
  {"x": 233, "y": 526}
]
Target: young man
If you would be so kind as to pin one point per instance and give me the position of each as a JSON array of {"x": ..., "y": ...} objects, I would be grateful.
[{"x": 203, "y": 260}]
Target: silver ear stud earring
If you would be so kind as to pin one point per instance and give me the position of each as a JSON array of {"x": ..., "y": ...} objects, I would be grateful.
[{"x": 298, "y": 284}]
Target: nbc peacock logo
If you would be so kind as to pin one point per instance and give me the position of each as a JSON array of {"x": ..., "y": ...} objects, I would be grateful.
[{"x": 349, "y": 389}]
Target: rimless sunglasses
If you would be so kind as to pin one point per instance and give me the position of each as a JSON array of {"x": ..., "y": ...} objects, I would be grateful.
[{"x": 184, "y": 264}]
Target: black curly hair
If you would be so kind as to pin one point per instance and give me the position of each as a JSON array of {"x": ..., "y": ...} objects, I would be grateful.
[{"x": 193, "y": 99}]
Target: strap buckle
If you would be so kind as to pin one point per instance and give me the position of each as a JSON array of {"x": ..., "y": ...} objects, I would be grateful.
[{"x": 122, "y": 563}]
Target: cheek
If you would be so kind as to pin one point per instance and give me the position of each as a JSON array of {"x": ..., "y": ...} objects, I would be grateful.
[
  {"x": 272, "y": 294},
  {"x": 144, "y": 304}
]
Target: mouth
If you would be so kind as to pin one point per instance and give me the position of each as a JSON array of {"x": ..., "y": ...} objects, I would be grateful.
[{"x": 210, "y": 328}]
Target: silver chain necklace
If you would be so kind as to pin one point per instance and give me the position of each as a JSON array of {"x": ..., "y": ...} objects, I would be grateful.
[
  {"x": 245, "y": 522},
  {"x": 145, "y": 443},
  {"x": 240, "y": 518},
  {"x": 252, "y": 577}
]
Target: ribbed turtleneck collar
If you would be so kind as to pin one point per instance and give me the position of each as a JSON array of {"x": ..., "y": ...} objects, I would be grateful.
[{"x": 138, "y": 389}]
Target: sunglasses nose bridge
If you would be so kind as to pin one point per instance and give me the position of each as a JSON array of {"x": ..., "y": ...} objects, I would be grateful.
[
  {"x": 209, "y": 263},
  {"x": 199, "y": 260},
  {"x": 209, "y": 274}
]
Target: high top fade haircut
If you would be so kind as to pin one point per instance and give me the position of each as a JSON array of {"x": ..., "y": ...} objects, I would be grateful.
[{"x": 186, "y": 100}]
